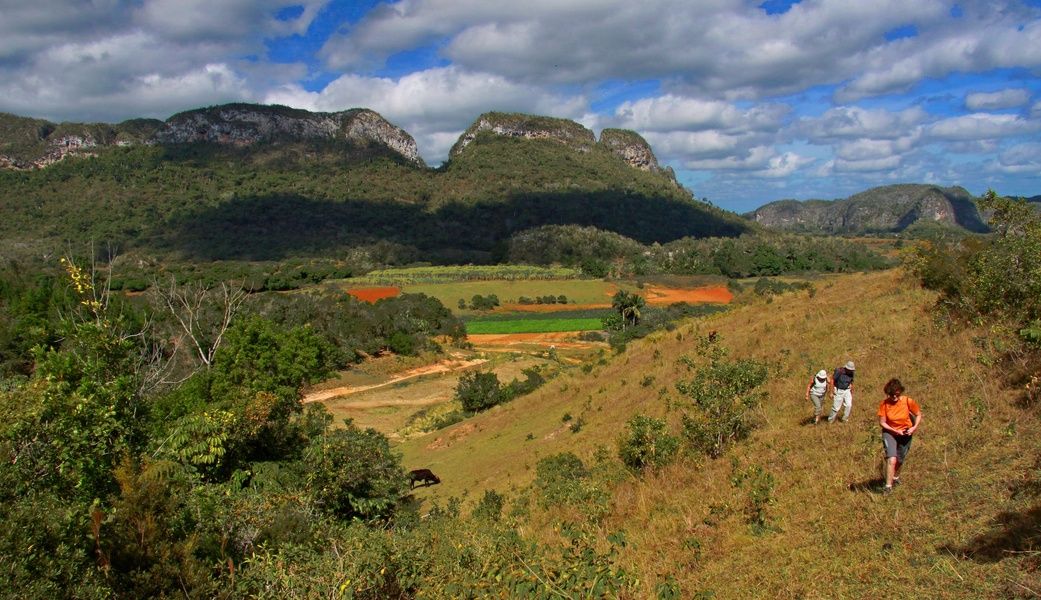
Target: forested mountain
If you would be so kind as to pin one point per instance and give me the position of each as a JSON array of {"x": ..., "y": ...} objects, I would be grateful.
[
  {"x": 248, "y": 182},
  {"x": 891, "y": 208}
]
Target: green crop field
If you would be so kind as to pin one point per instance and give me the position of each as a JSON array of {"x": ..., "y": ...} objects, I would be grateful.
[{"x": 533, "y": 325}]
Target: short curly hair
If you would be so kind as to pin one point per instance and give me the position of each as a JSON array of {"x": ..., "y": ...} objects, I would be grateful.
[{"x": 893, "y": 387}]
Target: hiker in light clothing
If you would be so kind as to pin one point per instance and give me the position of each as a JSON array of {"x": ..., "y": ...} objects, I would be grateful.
[
  {"x": 816, "y": 390},
  {"x": 843, "y": 394}
]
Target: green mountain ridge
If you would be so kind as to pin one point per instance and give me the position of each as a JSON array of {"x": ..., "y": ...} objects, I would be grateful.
[
  {"x": 890, "y": 208},
  {"x": 241, "y": 182}
]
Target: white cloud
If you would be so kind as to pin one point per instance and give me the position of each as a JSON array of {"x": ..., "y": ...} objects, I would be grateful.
[
  {"x": 978, "y": 126},
  {"x": 760, "y": 161},
  {"x": 867, "y": 149},
  {"x": 875, "y": 164},
  {"x": 990, "y": 37},
  {"x": 1008, "y": 98},
  {"x": 1020, "y": 158},
  {"x": 723, "y": 47},
  {"x": 851, "y": 122},
  {"x": 227, "y": 20},
  {"x": 671, "y": 113},
  {"x": 110, "y": 60}
]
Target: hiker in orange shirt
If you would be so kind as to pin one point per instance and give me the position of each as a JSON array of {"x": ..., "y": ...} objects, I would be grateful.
[{"x": 899, "y": 416}]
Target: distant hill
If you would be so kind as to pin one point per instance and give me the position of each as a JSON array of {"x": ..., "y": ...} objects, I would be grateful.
[
  {"x": 891, "y": 208},
  {"x": 251, "y": 182}
]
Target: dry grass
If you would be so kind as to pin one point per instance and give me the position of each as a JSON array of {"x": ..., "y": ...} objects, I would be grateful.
[{"x": 833, "y": 535}]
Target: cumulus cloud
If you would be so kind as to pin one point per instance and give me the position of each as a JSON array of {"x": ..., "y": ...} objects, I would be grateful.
[
  {"x": 671, "y": 112},
  {"x": 979, "y": 126},
  {"x": 1020, "y": 158},
  {"x": 729, "y": 47},
  {"x": 1009, "y": 98},
  {"x": 852, "y": 122},
  {"x": 110, "y": 60},
  {"x": 760, "y": 161},
  {"x": 988, "y": 37},
  {"x": 435, "y": 105}
]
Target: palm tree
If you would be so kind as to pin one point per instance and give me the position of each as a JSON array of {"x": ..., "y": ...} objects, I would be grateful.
[{"x": 628, "y": 306}]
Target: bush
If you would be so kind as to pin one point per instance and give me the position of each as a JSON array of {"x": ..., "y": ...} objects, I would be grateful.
[
  {"x": 352, "y": 473},
  {"x": 723, "y": 397},
  {"x": 478, "y": 391},
  {"x": 647, "y": 444}
]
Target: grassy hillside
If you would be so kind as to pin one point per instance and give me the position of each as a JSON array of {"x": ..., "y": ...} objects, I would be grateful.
[{"x": 964, "y": 524}]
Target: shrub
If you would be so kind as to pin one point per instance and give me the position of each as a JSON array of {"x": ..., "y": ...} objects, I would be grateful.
[
  {"x": 723, "y": 395},
  {"x": 478, "y": 391},
  {"x": 352, "y": 473},
  {"x": 647, "y": 444}
]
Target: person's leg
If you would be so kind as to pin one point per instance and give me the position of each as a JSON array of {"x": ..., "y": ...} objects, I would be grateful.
[
  {"x": 817, "y": 401},
  {"x": 848, "y": 402},
  {"x": 890, "y": 447},
  {"x": 836, "y": 404},
  {"x": 902, "y": 447}
]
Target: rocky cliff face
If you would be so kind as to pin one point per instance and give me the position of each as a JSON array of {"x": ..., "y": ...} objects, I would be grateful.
[
  {"x": 623, "y": 143},
  {"x": 530, "y": 127},
  {"x": 890, "y": 208},
  {"x": 630, "y": 147},
  {"x": 31, "y": 143},
  {"x": 248, "y": 124}
]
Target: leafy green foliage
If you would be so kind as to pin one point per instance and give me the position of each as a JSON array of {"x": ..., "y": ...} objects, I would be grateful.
[
  {"x": 997, "y": 278},
  {"x": 628, "y": 306},
  {"x": 647, "y": 444},
  {"x": 723, "y": 396},
  {"x": 600, "y": 253},
  {"x": 352, "y": 473},
  {"x": 477, "y": 391}
]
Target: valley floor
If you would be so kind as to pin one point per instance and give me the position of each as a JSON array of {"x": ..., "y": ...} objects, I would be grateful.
[{"x": 966, "y": 523}]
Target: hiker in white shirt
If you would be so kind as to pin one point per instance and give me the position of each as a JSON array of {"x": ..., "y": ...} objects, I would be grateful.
[{"x": 816, "y": 390}]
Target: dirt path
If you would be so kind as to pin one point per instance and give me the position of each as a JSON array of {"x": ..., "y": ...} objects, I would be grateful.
[{"x": 444, "y": 366}]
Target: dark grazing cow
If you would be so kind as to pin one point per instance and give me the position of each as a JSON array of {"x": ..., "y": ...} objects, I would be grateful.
[{"x": 422, "y": 476}]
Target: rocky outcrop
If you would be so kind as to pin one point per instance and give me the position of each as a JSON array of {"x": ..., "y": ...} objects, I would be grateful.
[
  {"x": 530, "y": 127},
  {"x": 249, "y": 124},
  {"x": 891, "y": 208},
  {"x": 630, "y": 147},
  {"x": 31, "y": 143}
]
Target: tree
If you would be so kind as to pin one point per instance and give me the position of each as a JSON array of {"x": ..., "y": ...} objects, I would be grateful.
[
  {"x": 203, "y": 313},
  {"x": 628, "y": 306}
]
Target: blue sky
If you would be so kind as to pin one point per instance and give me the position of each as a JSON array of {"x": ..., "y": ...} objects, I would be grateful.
[{"x": 748, "y": 101}]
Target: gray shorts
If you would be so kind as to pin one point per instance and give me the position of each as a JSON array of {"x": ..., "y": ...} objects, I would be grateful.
[{"x": 896, "y": 445}]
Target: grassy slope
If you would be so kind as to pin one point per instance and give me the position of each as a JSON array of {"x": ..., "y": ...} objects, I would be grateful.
[{"x": 835, "y": 538}]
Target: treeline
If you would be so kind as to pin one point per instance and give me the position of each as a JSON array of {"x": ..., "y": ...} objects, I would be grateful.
[{"x": 601, "y": 253}]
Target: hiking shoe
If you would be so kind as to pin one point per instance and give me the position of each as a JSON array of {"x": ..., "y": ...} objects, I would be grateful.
[
  {"x": 887, "y": 490},
  {"x": 896, "y": 481}
]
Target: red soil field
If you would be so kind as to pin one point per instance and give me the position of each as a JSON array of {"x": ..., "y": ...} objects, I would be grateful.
[
  {"x": 372, "y": 294},
  {"x": 718, "y": 294}
]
